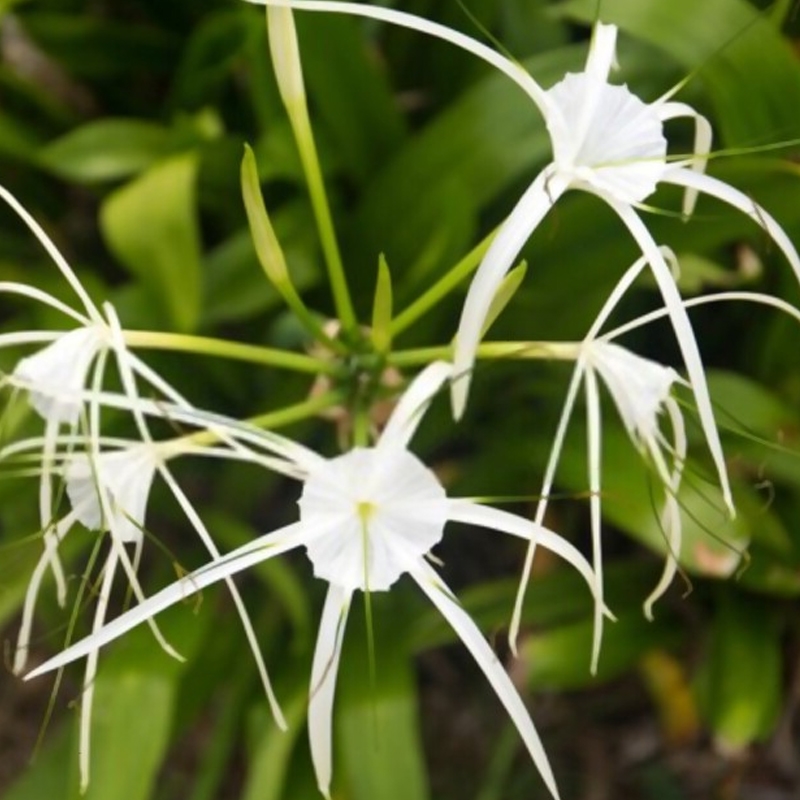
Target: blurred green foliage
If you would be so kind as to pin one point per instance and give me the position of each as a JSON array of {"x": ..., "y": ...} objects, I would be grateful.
[{"x": 121, "y": 129}]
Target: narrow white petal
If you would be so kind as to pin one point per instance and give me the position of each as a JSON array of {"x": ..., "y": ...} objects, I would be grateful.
[
  {"x": 703, "y": 137},
  {"x": 293, "y": 452},
  {"x": 721, "y": 297},
  {"x": 53, "y": 252},
  {"x": 727, "y": 193},
  {"x": 683, "y": 333},
  {"x": 601, "y": 57},
  {"x": 467, "y": 511},
  {"x": 200, "y": 528},
  {"x": 46, "y": 511},
  {"x": 411, "y": 407},
  {"x": 87, "y": 698},
  {"x": 594, "y": 435},
  {"x": 405, "y": 20},
  {"x": 254, "y": 552},
  {"x": 133, "y": 582},
  {"x": 473, "y": 639},
  {"x": 51, "y": 539},
  {"x": 671, "y": 517},
  {"x": 28, "y": 337},
  {"x": 58, "y": 372},
  {"x": 541, "y": 506},
  {"x": 32, "y": 293},
  {"x": 622, "y": 286},
  {"x": 540, "y": 196},
  {"x": 602, "y": 53},
  {"x": 323, "y": 683}
]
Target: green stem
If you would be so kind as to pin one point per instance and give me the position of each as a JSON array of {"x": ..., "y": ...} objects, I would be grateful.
[
  {"x": 441, "y": 288},
  {"x": 299, "y": 411},
  {"x": 267, "y": 421},
  {"x": 562, "y": 351},
  {"x": 361, "y": 427},
  {"x": 209, "y": 346},
  {"x": 301, "y": 125},
  {"x": 307, "y": 318}
]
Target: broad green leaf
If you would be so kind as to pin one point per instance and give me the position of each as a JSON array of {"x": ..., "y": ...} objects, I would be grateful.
[
  {"x": 528, "y": 27},
  {"x": 740, "y": 683},
  {"x": 377, "y": 735},
  {"x": 16, "y": 139},
  {"x": 151, "y": 227},
  {"x": 271, "y": 753},
  {"x": 98, "y": 48},
  {"x": 47, "y": 775},
  {"x": 208, "y": 58},
  {"x": 130, "y": 733},
  {"x": 106, "y": 149},
  {"x": 558, "y": 658},
  {"x": 764, "y": 429}
]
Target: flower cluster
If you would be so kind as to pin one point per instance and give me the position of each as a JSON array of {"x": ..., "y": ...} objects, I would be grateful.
[{"x": 375, "y": 511}]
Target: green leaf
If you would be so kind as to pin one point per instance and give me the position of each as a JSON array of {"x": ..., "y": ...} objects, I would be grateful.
[
  {"x": 151, "y": 227},
  {"x": 558, "y": 658},
  {"x": 382, "y": 308},
  {"x": 272, "y": 752},
  {"x": 765, "y": 429},
  {"x": 16, "y": 139},
  {"x": 45, "y": 777},
  {"x": 130, "y": 733},
  {"x": 268, "y": 249},
  {"x": 208, "y": 57},
  {"x": 95, "y": 47},
  {"x": 107, "y": 149},
  {"x": 376, "y": 727},
  {"x": 739, "y": 683}
]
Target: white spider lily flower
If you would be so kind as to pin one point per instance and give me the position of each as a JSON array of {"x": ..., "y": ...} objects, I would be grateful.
[
  {"x": 69, "y": 362},
  {"x": 109, "y": 492},
  {"x": 605, "y": 141},
  {"x": 365, "y": 518},
  {"x": 65, "y": 378},
  {"x": 641, "y": 391},
  {"x": 59, "y": 370}
]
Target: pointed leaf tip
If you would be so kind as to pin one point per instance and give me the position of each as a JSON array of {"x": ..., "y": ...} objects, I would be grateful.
[
  {"x": 268, "y": 249},
  {"x": 382, "y": 308}
]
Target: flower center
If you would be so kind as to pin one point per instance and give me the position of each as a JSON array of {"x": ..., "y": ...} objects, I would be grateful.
[
  {"x": 365, "y": 510},
  {"x": 383, "y": 506},
  {"x": 604, "y": 136}
]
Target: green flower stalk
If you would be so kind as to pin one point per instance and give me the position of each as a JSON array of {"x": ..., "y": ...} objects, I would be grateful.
[{"x": 289, "y": 74}]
